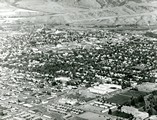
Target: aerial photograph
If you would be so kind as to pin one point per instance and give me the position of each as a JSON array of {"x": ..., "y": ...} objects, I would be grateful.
[{"x": 78, "y": 59}]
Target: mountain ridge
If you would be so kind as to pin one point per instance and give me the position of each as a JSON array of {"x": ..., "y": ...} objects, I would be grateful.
[{"x": 110, "y": 12}]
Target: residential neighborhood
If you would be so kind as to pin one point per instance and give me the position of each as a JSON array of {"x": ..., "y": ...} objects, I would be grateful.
[{"x": 78, "y": 60}]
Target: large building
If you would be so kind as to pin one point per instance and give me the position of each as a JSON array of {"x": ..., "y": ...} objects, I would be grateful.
[
  {"x": 135, "y": 112},
  {"x": 104, "y": 88}
]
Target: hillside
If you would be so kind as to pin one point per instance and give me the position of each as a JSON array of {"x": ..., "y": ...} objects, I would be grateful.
[{"x": 83, "y": 12}]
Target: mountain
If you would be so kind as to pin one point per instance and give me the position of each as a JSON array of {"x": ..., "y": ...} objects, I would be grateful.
[
  {"x": 99, "y": 12},
  {"x": 81, "y": 3}
]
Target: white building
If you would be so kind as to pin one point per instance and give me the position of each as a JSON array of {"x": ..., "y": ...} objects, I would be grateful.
[
  {"x": 63, "y": 79},
  {"x": 153, "y": 117},
  {"x": 104, "y": 88},
  {"x": 135, "y": 112},
  {"x": 68, "y": 101}
]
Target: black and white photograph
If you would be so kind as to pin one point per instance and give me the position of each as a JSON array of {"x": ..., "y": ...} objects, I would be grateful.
[{"x": 78, "y": 59}]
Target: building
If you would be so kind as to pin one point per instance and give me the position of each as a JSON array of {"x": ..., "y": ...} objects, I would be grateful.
[
  {"x": 63, "y": 79},
  {"x": 153, "y": 117},
  {"x": 68, "y": 101},
  {"x": 147, "y": 87},
  {"x": 135, "y": 112},
  {"x": 104, "y": 88}
]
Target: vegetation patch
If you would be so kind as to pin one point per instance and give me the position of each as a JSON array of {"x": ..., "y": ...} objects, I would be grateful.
[
  {"x": 122, "y": 114},
  {"x": 119, "y": 99},
  {"x": 134, "y": 93}
]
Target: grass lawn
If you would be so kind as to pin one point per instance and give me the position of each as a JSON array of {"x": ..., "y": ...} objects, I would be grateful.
[
  {"x": 94, "y": 116},
  {"x": 125, "y": 97},
  {"x": 88, "y": 107},
  {"x": 118, "y": 99}
]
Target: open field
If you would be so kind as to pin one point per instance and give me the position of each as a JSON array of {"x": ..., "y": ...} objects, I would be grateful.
[
  {"x": 94, "y": 116},
  {"x": 91, "y": 108},
  {"x": 125, "y": 97},
  {"x": 119, "y": 99}
]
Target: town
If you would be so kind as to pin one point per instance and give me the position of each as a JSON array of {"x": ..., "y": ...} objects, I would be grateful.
[{"x": 67, "y": 74}]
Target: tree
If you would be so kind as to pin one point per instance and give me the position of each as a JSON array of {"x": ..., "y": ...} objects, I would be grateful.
[
  {"x": 41, "y": 85},
  {"x": 140, "y": 98},
  {"x": 110, "y": 112},
  {"x": 120, "y": 107},
  {"x": 39, "y": 119},
  {"x": 150, "y": 112},
  {"x": 2, "y": 113},
  {"x": 48, "y": 93},
  {"x": 53, "y": 83},
  {"x": 154, "y": 92},
  {"x": 88, "y": 85},
  {"x": 133, "y": 103},
  {"x": 155, "y": 107},
  {"x": 144, "y": 108},
  {"x": 123, "y": 85}
]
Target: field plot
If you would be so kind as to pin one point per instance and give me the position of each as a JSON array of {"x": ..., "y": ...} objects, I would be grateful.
[
  {"x": 134, "y": 93},
  {"x": 125, "y": 97},
  {"x": 91, "y": 108},
  {"x": 119, "y": 99},
  {"x": 94, "y": 116}
]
